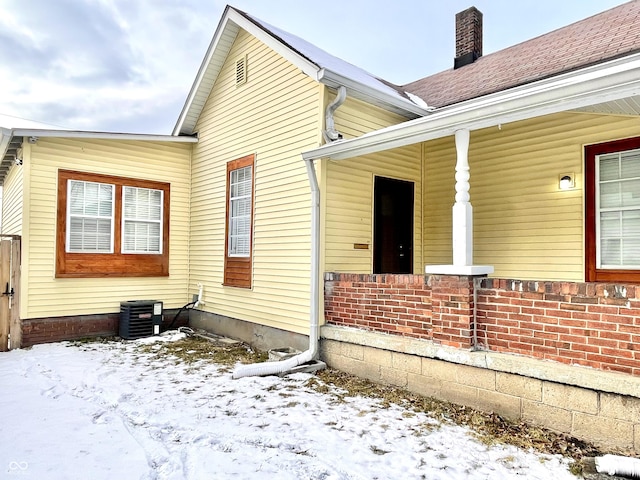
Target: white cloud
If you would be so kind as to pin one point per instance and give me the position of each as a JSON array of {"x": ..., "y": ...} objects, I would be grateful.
[{"x": 127, "y": 65}]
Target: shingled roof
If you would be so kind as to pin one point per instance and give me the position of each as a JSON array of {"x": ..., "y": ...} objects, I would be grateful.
[{"x": 605, "y": 36}]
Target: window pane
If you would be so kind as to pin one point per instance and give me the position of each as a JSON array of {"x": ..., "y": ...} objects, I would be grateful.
[
  {"x": 631, "y": 252},
  {"x": 90, "y": 217},
  {"x": 610, "y": 224},
  {"x": 141, "y": 237},
  {"x": 76, "y": 198},
  {"x": 143, "y": 216},
  {"x": 610, "y": 195},
  {"x": 609, "y": 167},
  {"x": 630, "y": 164},
  {"x": 631, "y": 223},
  {"x": 610, "y": 252},
  {"x": 630, "y": 193}
]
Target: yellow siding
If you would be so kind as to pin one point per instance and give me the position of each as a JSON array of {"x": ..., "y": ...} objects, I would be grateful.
[
  {"x": 355, "y": 117},
  {"x": 523, "y": 225},
  {"x": 12, "y": 201},
  {"x": 349, "y": 190},
  {"x": 43, "y": 294},
  {"x": 276, "y": 116}
]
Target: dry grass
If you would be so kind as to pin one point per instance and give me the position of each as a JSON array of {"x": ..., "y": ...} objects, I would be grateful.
[
  {"x": 195, "y": 349},
  {"x": 489, "y": 428}
]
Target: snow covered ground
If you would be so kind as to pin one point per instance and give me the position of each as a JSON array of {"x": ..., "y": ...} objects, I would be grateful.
[{"x": 109, "y": 411}]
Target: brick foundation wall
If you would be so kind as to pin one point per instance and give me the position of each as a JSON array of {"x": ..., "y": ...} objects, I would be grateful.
[
  {"x": 56, "y": 329},
  {"x": 590, "y": 324},
  {"x": 398, "y": 304},
  {"x": 596, "y": 325}
]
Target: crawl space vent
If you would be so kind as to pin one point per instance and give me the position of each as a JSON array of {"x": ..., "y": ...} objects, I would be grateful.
[{"x": 140, "y": 318}]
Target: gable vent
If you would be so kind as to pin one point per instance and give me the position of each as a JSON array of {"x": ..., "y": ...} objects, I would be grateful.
[{"x": 241, "y": 70}]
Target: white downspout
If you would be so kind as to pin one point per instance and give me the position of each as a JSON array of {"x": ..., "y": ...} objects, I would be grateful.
[
  {"x": 274, "y": 368},
  {"x": 618, "y": 465},
  {"x": 330, "y": 133}
]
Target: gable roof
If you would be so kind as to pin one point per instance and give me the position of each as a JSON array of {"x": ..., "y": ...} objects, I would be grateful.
[
  {"x": 605, "y": 36},
  {"x": 313, "y": 61}
]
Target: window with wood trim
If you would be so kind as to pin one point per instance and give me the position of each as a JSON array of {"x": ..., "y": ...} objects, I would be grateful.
[
  {"x": 239, "y": 223},
  {"x": 612, "y": 202},
  {"x": 111, "y": 226}
]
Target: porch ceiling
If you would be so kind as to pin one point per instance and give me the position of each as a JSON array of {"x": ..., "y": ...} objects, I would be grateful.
[{"x": 612, "y": 87}]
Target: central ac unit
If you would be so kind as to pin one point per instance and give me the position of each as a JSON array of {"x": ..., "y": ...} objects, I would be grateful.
[{"x": 140, "y": 318}]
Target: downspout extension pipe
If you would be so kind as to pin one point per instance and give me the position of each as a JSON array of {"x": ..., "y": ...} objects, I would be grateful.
[
  {"x": 618, "y": 465},
  {"x": 284, "y": 366}
]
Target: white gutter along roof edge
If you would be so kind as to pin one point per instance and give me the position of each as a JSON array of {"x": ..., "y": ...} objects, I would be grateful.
[
  {"x": 611, "y": 80},
  {"x": 334, "y": 80},
  {"x": 34, "y": 132}
]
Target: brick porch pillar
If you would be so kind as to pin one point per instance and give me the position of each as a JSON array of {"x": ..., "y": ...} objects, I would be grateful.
[{"x": 452, "y": 310}]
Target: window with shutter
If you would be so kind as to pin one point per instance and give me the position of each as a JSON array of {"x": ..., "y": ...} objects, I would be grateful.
[
  {"x": 612, "y": 199},
  {"x": 239, "y": 223}
]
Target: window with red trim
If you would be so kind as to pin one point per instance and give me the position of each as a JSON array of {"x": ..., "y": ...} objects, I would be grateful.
[
  {"x": 239, "y": 223},
  {"x": 612, "y": 217},
  {"x": 111, "y": 226}
]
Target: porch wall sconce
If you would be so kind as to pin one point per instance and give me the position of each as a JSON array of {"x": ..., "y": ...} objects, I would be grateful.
[{"x": 566, "y": 181}]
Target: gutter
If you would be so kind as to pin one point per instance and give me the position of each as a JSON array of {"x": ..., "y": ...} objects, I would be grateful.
[
  {"x": 608, "y": 81},
  {"x": 43, "y": 133},
  {"x": 372, "y": 95}
]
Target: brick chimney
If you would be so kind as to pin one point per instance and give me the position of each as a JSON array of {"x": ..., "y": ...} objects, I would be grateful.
[{"x": 468, "y": 37}]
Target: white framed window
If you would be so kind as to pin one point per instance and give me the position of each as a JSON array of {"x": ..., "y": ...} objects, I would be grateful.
[
  {"x": 90, "y": 217},
  {"x": 618, "y": 210},
  {"x": 142, "y": 219},
  {"x": 240, "y": 204}
]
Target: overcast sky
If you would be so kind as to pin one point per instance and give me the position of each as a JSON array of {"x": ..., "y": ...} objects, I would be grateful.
[{"x": 128, "y": 65}]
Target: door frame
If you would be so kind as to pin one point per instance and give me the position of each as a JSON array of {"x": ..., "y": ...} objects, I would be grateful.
[{"x": 373, "y": 218}]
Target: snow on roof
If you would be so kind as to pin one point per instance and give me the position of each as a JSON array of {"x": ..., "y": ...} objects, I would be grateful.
[{"x": 325, "y": 60}]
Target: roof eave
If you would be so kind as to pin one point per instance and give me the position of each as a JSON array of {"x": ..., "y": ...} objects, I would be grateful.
[
  {"x": 610, "y": 80},
  {"x": 394, "y": 103},
  {"x": 231, "y": 21},
  {"x": 44, "y": 133}
]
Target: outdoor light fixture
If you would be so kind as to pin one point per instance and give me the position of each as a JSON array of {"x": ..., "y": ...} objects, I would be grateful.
[{"x": 566, "y": 181}]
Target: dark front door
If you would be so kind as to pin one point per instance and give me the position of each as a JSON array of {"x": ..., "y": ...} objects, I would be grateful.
[{"x": 392, "y": 226}]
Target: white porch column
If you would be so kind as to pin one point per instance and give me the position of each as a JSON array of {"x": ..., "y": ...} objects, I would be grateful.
[
  {"x": 462, "y": 231},
  {"x": 462, "y": 209}
]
